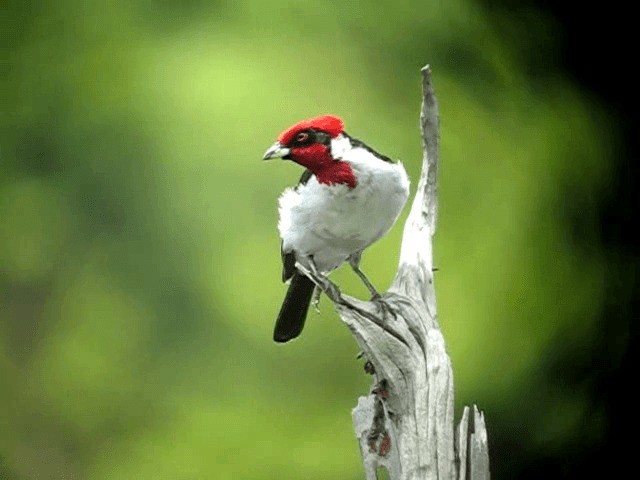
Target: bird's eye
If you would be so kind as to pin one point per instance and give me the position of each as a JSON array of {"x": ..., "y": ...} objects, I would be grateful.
[{"x": 302, "y": 137}]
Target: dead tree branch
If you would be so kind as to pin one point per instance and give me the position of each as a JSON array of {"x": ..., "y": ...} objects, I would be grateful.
[{"x": 406, "y": 423}]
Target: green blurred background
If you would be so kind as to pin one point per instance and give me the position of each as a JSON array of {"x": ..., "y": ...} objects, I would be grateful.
[{"x": 139, "y": 256}]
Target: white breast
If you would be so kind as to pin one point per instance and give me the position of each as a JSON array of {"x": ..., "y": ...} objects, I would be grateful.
[{"x": 332, "y": 222}]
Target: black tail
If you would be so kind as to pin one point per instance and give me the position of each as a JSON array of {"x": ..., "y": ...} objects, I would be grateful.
[{"x": 294, "y": 309}]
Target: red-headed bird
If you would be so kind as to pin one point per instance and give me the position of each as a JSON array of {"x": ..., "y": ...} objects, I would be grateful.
[{"x": 348, "y": 197}]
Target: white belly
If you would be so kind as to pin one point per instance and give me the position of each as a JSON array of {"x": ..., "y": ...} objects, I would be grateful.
[{"x": 332, "y": 222}]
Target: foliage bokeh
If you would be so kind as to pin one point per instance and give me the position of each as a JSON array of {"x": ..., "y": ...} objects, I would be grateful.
[{"x": 139, "y": 265}]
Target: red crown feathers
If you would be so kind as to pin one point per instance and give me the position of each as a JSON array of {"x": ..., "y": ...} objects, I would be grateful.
[{"x": 325, "y": 123}]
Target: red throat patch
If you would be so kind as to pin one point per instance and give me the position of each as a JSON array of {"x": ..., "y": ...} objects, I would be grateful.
[
  {"x": 337, "y": 173},
  {"x": 328, "y": 171},
  {"x": 326, "y": 123}
]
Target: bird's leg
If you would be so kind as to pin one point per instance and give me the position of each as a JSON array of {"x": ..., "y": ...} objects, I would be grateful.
[
  {"x": 321, "y": 281},
  {"x": 313, "y": 267},
  {"x": 374, "y": 293},
  {"x": 354, "y": 261},
  {"x": 333, "y": 292}
]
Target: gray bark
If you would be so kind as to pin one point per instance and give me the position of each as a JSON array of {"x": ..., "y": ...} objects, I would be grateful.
[{"x": 406, "y": 423}]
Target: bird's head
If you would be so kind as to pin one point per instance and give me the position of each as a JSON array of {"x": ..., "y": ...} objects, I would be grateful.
[{"x": 308, "y": 142}]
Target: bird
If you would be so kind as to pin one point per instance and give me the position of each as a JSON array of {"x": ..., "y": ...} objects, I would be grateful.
[{"x": 348, "y": 197}]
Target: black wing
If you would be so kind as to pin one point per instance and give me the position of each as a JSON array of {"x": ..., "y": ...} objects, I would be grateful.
[{"x": 289, "y": 258}]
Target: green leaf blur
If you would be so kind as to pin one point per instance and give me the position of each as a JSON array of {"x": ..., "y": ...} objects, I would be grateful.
[{"x": 139, "y": 256}]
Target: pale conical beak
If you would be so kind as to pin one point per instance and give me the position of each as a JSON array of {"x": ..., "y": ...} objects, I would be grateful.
[{"x": 277, "y": 150}]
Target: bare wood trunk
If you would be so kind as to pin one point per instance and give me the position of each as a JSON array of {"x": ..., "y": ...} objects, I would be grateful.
[{"x": 406, "y": 423}]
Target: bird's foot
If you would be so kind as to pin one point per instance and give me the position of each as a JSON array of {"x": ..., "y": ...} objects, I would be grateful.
[
  {"x": 332, "y": 290},
  {"x": 322, "y": 282},
  {"x": 383, "y": 306}
]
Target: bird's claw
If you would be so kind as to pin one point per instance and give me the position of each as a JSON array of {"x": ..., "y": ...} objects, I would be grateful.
[
  {"x": 384, "y": 306},
  {"x": 323, "y": 283},
  {"x": 332, "y": 291}
]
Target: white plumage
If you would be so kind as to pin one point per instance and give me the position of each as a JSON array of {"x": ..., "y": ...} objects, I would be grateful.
[{"x": 332, "y": 222}]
